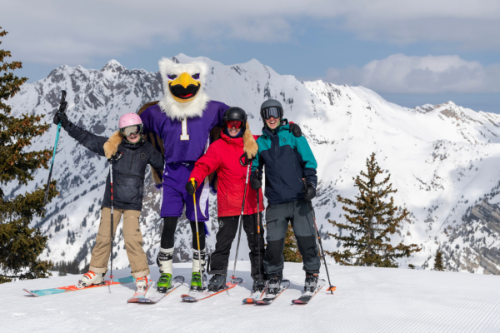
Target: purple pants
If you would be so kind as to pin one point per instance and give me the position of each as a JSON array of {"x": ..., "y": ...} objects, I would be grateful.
[{"x": 175, "y": 196}]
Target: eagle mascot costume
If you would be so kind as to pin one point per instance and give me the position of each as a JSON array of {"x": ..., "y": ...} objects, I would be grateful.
[{"x": 180, "y": 125}]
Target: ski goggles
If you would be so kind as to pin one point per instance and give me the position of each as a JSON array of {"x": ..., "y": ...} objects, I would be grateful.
[
  {"x": 129, "y": 130},
  {"x": 233, "y": 123},
  {"x": 272, "y": 111}
]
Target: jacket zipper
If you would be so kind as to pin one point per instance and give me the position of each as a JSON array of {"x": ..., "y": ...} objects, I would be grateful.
[
  {"x": 131, "y": 160},
  {"x": 276, "y": 157}
]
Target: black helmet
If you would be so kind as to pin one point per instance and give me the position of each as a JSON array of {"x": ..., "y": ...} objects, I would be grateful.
[
  {"x": 235, "y": 113},
  {"x": 271, "y": 108}
]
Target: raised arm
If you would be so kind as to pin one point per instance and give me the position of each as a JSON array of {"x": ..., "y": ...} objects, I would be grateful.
[{"x": 88, "y": 140}]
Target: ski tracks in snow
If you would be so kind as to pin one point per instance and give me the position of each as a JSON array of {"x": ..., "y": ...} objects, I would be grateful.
[{"x": 366, "y": 300}]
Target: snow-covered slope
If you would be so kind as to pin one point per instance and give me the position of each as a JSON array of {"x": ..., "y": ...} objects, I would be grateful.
[
  {"x": 443, "y": 159},
  {"x": 366, "y": 300}
]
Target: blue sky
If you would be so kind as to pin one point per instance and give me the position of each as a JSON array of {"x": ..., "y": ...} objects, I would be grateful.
[{"x": 412, "y": 53}]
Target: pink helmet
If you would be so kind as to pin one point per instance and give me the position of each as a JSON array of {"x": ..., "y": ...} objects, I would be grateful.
[{"x": 129, "y": 119}]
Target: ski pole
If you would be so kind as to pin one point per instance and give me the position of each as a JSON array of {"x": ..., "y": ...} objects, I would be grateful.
[
  {"x": 111, "y": 183},
  {"x": 197, "y": 230},
  {"x": 331, "y": 288},
  {"x": 240, "y": 223},
  {"x": 258, "y": 230},
  {"x": 62, "y": 108}
]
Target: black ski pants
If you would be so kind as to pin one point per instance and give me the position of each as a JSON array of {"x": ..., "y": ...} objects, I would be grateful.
[
  {"x": 168, "y": 233},
  {"x": 300, "y": 215},
  {"x": 228, "y": 227}
]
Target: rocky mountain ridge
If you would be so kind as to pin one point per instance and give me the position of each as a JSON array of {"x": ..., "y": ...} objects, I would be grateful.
[{"x": 442, "y": 158}]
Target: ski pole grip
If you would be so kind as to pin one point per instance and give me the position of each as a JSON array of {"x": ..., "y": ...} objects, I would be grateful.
[{"x": 194, "y": 194}]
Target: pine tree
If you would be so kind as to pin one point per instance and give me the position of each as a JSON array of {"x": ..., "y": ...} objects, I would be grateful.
[
  {"x": 438, "y": 261},
  {"x": 20, "y": 245},
  {"x": 67, "y": 267},
  {"x": 370, "y": 223},
  {"x": 291, "y": 252}
]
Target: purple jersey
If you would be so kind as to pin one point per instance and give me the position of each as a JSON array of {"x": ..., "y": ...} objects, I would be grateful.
[{"x": 186, "y": 140}]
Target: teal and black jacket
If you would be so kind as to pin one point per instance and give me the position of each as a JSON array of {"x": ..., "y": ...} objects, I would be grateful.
[{"x": 287, "y": 161}]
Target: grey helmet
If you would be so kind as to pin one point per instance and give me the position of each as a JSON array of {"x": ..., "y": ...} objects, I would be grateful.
[{"x": 271, "y": 108}]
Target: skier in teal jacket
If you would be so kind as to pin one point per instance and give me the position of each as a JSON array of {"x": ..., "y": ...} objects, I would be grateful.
[{"x": 289, "y": 164}]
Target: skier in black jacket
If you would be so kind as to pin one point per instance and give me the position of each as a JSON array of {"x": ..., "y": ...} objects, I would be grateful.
[{"x": 131, "y": 154}]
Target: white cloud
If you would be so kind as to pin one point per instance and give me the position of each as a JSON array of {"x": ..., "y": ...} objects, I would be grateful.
[
  {"x": 57, "y": 31},
  {"x": 399, "y": 73}
]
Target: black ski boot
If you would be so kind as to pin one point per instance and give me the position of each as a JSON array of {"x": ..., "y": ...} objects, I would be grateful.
[
  {"x": 258, "y": 286},
  {"x": 217, "y": 282},
  {"x": 311, "y": 282},
  {"x": 274, "y": 285}
]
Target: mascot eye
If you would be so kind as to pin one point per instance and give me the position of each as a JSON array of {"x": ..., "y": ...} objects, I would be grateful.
[
  {"x": 196, "y": 76},
  {"x": 172, "y": 76}
]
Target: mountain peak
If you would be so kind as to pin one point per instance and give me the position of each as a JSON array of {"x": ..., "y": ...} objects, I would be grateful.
[{"x": 113, "y": 66}]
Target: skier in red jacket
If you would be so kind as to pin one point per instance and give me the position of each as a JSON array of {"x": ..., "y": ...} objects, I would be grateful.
[{"x": 223, "y": 156}]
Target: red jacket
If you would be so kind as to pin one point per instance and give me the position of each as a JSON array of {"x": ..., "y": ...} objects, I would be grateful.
[{"x": 223, "y": 156}]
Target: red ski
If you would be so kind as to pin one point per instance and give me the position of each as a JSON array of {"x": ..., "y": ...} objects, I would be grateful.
[
  {"x": 191, "y": 298},
  {"x": 59, "y": 290}
]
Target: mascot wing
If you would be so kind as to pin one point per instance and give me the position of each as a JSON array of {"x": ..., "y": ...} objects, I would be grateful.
[{"x": 155, "y": 140}]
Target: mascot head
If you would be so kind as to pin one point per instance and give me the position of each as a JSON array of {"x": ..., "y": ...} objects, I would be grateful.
[{"x": 184, "y": 96}]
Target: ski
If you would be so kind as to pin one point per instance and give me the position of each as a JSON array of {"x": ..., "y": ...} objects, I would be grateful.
[
  {"x": 157, "y": 296},
  {"x": 59, "y": 290},
  {"x": 255, "y": 296},
  {"x": 139, "y": 295},
  {"x": 308, "y": 295},
  {"x": 269, "y": 299},
  {"x": 199, "y": 296}
]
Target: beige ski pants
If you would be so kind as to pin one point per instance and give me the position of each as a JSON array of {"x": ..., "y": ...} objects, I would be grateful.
[{"x": 133, "y": 242}]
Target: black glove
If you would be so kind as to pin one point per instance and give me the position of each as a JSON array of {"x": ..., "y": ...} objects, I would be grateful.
[
  {"x": 61, "y": 117},
  {"x": 256, "y": 180},
  {"x": 189, "y": 187},
  {"x": 310, "y": 191},
  {"x": 295, "y": 129}
]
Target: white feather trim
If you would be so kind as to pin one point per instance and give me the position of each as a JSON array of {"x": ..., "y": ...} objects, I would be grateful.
[{"x": 168, "y": 104}]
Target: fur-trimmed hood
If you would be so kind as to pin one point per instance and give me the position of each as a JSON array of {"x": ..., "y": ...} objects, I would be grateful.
[{"x": 168, "y": 104}]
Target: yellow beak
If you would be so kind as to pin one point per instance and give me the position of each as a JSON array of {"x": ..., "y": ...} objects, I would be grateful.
[{"x": 184, "y": 80}]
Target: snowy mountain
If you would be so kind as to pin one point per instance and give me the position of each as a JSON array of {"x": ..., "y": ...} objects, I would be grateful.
[
  {"x": 442, "y": 158},
  {"x": 367, "y": 300}
]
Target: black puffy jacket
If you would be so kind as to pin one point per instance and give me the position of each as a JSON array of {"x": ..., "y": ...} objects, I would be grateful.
[{"x": 128, "y": 169}]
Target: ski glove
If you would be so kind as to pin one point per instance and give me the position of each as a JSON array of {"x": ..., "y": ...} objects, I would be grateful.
[
  {"x": 189, "y": 187},
  {"x": 61, "y": 117},
  {"x": 310, "y": 191},
  {"x": 295, "y": 130},
  {"x": 256, "y": 180}
]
